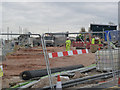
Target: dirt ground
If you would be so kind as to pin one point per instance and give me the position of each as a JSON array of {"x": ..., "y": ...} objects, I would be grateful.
[{"x": 32, "y": 59}]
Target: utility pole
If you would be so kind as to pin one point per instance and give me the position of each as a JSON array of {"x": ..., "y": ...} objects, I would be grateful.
[
  {"x": 11, "y": 35},
  {"x": 48, "y": 29},
  {"x": 8, "y": 33},
  {"x": 103, "y": 33},
  {"x": 19, "y": 29}
]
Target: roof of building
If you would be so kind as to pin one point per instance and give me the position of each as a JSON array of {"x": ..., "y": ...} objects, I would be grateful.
[{"x": 104, "y": 24}]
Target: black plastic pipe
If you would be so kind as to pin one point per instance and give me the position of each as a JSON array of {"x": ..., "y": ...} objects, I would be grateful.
[
  {"x": 81, "y": 80},
  {"x": 26, "y": 75}
]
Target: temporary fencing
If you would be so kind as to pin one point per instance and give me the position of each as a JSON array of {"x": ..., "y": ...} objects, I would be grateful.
[
  {"x": 64, "y": 53},
  {"x": 56, "y": 54},
  {"x": 7, "y": 46},
  {"x": 109, "y": 59}
]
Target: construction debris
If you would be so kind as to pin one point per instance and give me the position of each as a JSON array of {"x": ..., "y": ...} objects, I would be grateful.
[{"x": 78, "y": 75}]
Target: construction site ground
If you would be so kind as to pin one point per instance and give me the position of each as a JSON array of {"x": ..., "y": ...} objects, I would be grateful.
[{"x": 33, "y": 59}]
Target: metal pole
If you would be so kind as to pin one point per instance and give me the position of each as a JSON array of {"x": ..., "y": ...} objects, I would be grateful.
[
  {"x": 7, "y": 32},
  {"x": 73, "y": 33},
  {"x": 103, "y": 33},
  {"x": 18, "y": 34},
  {"x": 11, "y": 35},
  {"x": 47, "y": 61},
  {"x": 111, "y": 57},
  {"x": 118, "y": 65}
]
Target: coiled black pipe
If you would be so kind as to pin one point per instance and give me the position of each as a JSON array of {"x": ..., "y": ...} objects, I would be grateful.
[{"x": 26, "y": 75}]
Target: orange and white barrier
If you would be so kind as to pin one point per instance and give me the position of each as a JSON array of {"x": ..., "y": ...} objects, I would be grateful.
[{"x": 67, "y": 53}]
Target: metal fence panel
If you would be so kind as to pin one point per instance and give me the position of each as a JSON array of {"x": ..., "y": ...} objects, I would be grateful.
[{"x": 109, "y": 59}]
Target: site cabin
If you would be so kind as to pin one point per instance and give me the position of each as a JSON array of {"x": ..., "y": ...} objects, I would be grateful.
[{"x": 85, "y": 43}]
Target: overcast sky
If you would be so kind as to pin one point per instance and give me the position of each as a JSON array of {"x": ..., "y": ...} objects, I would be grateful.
[
  {"x": 119, "y": 14},
  {"x": 38, "y": 17}
]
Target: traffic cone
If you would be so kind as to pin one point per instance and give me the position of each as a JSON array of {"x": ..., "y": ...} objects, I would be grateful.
[
  {"x": 59, "y": 84},
  {"x": 118, "y": 82},
  {"x": 99, "y": 48}
]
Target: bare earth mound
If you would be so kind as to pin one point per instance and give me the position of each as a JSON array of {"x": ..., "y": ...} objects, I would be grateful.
[{"x": 32, "y": 59}]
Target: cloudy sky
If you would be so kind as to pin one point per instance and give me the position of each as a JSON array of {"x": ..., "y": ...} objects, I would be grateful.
[
  {"x": 119, "y": 14},
  {"x": 39, "y": 17}
]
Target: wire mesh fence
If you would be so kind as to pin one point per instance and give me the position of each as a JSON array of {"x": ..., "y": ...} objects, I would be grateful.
[
  {"x": 59, "y": 54},
  {"x": 7, "y": 48},
  {"x": 109, "y": 59},
  {"x": 103, "y": 60},
  {"x": 16, "y": 48}
]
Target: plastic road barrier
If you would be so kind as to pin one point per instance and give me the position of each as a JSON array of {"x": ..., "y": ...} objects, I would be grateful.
[{"x": 67, "y": 53}]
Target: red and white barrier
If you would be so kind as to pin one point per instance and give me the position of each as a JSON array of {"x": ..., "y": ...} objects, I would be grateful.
[{"x": 67, "y": 53}]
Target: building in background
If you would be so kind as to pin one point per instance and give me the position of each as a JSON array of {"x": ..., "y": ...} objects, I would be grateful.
[{"x": 101, "y": 28}]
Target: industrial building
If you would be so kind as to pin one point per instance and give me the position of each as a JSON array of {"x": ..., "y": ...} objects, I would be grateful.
[{"x": 101, "y": 28}]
